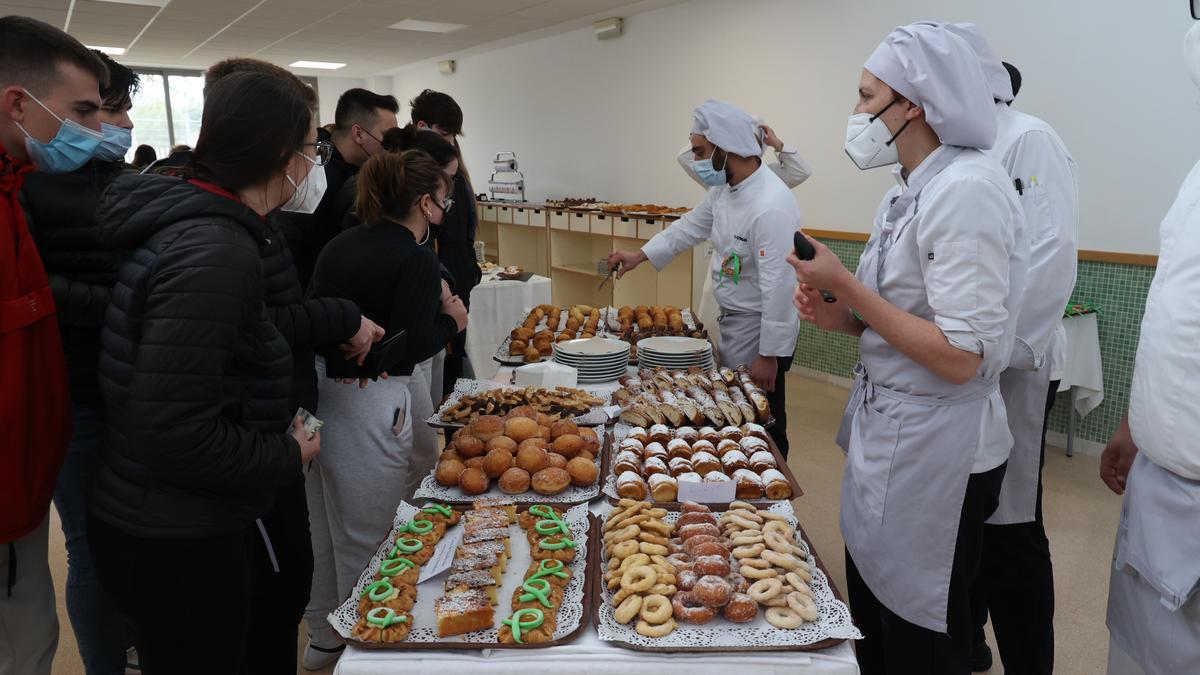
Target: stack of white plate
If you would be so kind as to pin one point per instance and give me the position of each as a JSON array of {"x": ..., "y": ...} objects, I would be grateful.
[
  {"x": 675, "y": 353},
  {"x": 596, "y": 359}
]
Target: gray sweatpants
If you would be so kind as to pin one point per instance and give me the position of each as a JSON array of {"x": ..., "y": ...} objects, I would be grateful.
[
  {"x": 29, "y": 618},
  {"x": 366, "y": 467}
]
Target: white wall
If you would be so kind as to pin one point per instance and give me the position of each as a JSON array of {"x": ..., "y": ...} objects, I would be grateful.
[
  {"x": 329, "y": 89},
  {"x": 605, "y": 119}
]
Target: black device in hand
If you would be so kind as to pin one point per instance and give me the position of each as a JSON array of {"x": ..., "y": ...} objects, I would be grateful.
[
  {"x": 384, "y": 355},
  {"x": 805, "y": 251}
]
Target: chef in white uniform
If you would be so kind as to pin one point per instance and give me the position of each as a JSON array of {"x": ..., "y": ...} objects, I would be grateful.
[
  {"x": 1016, "y": 578},
  {"x": 1154, "y": 458},
  {"x": 792, "y": 169},
  {"x": 935, "y": 302},
  {"x": 749, "y": 217}
]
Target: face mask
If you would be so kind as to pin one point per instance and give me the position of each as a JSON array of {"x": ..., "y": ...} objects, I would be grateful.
[
  {"x": 71, "y": 147},
  {"x": 709, "y": 175},
  {"x": 309, "y": 192},
  {"x": 115, "y": 144},
  {"x": 869, "y": 143}
]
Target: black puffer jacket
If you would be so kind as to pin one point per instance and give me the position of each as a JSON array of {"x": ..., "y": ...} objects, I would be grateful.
[
  {"x": 61, "y": 211},
  {"x": 195, "y": 376}
]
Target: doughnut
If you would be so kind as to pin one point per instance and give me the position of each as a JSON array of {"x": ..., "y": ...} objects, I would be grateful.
[
  {"x": 514, "y": 481},
  {"x": 473, "y": 482},
  {"x": 688, "y": 531},
  {"x": 583, "y": 472},
  {"x": 756, "y": 563},
  {"x": 747, "y": 538},
  {"x": 469, "y": 446},
  {"x": 628, "y": 609},
  {"x": 550, "y": 481},
  {"x": 662, "y": 589},
  {"x": 757, "y": 574},
  {"x": 797, "y": 583},
  {"x": 496, "y": 462},
  {"x": 712, "y": 591},
  {"x": 686, "y": 580},
  {"x": 711, "y": 565},
  {"x": 627, "y": 520},
  {"x": 694, "y": 518},
  {"x": 693, "y": 507},
  {"x": 739, "y": 582},
  {"x": 521, "y": 428},
  {"x": 448, "y": 471},
  {"x": 764, "y": 589},
  {"x": 777, "y": 542},
  {"x": 653, "y": 549},
  {"x": 804, "y": 605},
  {"x": 680, "y": 560},
  {"x": 750, "y": 551},
  {"x": 741, "y": 609},
  {"x": 687, "y": 608},
  {"x": 564, "y": 428},
  {"x": 710, "y": 548},
  {"x": 657, "y": 526},
  {"x": 786, "y": 561},
  {"x": 743, "y": 506},
  {"x": 621, "y": 596},
  {"x": 690, "y": 545},
  {"x": 738, "y": 520},
  {"x": 568, "y": 445},
  {"x": 635, "y": 560},
  {"x": 656, "y": 609},
  {"x": 624, "y": 534},
  {"x": 487, "y": 427},
  {"x": 652, "y": 538},
  {"x": 804, "y": 573},
  {"x": 777, "y": 601},
  {"x": 532, "y": 459},
  {"x": 784, "y": 617},
  {"x": 557, "y": 461},
  {"x": 624, "y": 549},
  {"x": 651, "y": 631},
  {"x": 639, "y": 579}
]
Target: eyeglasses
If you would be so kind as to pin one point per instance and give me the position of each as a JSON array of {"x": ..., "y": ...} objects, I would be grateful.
[{"x": 323, "y": 151}]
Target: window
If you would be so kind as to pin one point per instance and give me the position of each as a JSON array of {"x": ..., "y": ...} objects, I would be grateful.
[{"x": 168, "y": 108}]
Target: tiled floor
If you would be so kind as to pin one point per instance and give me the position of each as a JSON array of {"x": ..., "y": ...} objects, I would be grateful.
[{"x": 1081, "y": 517}]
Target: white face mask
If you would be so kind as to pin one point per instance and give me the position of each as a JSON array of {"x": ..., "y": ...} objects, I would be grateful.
[
  {"x": 869, "y": 142},
  {"x": 309, "y": 192}
]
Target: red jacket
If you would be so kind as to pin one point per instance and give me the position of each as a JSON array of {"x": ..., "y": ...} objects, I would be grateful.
[{"x": 35, "y": 406}]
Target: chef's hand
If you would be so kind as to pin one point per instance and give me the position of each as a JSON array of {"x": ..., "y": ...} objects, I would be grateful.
[
  {"x": 770, "y": 138},
  {"x": 445, "y": 290},
  {"x": 763, "y": 370},
  {"x": 358, "y": 346},
  {"x": 627, "y": 260},
  {"x": 813, "y": 309},
  {"x": 363, "y": 381},
  {"x": 1117, "y": 459},
  {"x": 825, "y": 270},
  {"x": 309, "y": 447},
  {"x": 454, "y": 306}
]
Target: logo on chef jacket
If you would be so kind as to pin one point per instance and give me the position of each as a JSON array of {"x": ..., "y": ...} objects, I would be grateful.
[
  {"x": 762, "y": 252},
  {"x": 741, "y": 238}
]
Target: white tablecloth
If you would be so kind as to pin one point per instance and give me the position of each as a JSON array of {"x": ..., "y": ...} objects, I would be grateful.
[
  {"x": 497, "y": 306},
  {"x": 1083, "y": 368}
]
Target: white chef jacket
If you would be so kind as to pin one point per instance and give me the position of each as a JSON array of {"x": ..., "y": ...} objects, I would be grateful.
[
  {"x": 955, "y": 258},
  {"x": 1031, "y": 151},
  {"x": 1164, "y": 403},
  {"x": 755, "y": 219},
  {"x": 791, "y": 168}
]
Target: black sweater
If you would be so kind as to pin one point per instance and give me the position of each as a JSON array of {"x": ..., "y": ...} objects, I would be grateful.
[{"x": 393, "y": 280}]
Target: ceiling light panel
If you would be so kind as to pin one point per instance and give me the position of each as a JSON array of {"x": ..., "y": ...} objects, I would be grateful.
[{"x": 419, "y": 26}]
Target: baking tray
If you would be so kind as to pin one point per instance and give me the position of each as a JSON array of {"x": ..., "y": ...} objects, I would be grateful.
[
  {"x": 429, "y": 488},
  {"x": 598, "y": 587},
  {"x": 591, "y": 562},
  {"x": 595, "y": 417},
  {"x": 610, "y": 480},
  {"x": 609, "y": 327}
]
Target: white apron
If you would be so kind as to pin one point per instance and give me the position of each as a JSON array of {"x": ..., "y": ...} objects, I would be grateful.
[
  {"x": 908, "y": 459},
  {"x": 739, "y": 338},
  {"x": 1024, "y": 393},
  {"x": 1153, "y": 607}
]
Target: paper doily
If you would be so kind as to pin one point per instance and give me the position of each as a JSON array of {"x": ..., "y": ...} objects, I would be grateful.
[{"x": 424, "y": 629}]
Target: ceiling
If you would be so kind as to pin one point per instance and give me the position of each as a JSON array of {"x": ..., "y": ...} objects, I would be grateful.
[{"x": 196, "y": 33}]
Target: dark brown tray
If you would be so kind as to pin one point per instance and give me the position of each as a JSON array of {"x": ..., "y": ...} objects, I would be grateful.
[
  {"x": 589, "y": 583},
  {"x": 780, "y": 462},
  {"x": 598, "y": 593},
  {"x": 526, "y": 498}
]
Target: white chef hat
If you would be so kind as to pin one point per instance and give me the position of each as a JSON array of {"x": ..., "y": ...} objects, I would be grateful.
[
  {"x": 936, "y": 69},
  {"x": 727, "y": 127},
  {"x": 998, "y": 79}
]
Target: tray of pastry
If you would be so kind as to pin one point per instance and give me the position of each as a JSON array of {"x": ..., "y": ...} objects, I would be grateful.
[
  {"x": 472, "y": 399},
  {"x": 693, "y": 397},
  {"x": 490, "y": 577},
  {"x": 741, "y": 580},
  {"x": 533, "y": 339},
  {"x": 525, "y": 457},
  {"x": 656, "y": 464}
]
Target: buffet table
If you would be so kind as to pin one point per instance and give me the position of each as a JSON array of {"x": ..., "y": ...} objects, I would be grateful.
[{"x": 494, "y": 303}]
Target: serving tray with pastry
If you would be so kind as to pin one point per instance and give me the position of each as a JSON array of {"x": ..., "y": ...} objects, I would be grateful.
[
  {"x": 524, "y": 455},
  {"x": 490, "y": 576},
  {"x": 665, "y": 465},
  {"x": 472, "y": 399},
  {"x": 693, "y": 397},
  {"x": 534, "y": 337},
  {"x": 744, "y": 579}
]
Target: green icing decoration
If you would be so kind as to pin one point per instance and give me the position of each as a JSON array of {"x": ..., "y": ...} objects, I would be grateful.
[
  {"x": 550, "y": 567},
  {"x": 406, "y": 545},
  {"x": 517, "y": 624},
  {"x": 380, "y": 591},
  {"x": 417, "y": 527},
  {"x": 536, "y": 588},
  {"x": 565, "y": 543},
  {"x": 439, "y": 508},
  {"x": 384, "y": 617},
  {"x": 393, "y": 566}
]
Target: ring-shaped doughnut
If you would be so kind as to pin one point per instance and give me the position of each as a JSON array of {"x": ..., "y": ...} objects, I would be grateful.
[
  {"x": 747, "y": 538},
  {"x": 651, "y": 631},
  {"x": 639, "y": 579},
  {"x": 623, "y": 534},
  {"x": 628, "y": 609},
  {"x": 798, "y": 583},
  {"x": 688, "y": 608},
  {"x": 656, "y": 609},
  {"x": 750, "y": 551},
  {"x": 784, "y": 617},
  {"x": 757, "y": 574},
  {"x": 652, "y": 538},
  {"x": 624, "y": 549},
  {"x": 764, "y": 589},
  {"x": 743, "y": 506},
  {"x": 653, "y": 549},
  {"x": 635, "y": 560},
  {"x": 786, "y": 561},
  {"x": 803, "y": 605}
]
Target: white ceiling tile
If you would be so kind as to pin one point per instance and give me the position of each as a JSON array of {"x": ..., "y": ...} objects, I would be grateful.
[{"x": 558, "y": 11}]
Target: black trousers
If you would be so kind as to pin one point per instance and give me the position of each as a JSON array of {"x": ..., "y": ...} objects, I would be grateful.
[
  {"x": 187, "y": 600},
  {"x": 778, "y": 401},
  {"x": 278, "y": 598},
  {"x": 1016, "y": 586},
  {"x": 894, "y": 646}
]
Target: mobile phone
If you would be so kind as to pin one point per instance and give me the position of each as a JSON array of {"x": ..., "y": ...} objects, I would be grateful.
[{"x": 805, "y": 251}]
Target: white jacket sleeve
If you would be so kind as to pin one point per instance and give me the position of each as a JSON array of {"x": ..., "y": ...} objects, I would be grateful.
[
  {"x": 791, "y": 168},
  {"x": 694, "y": 227},
  {"x": 1051, "y": 205},
  {"x": 965, "y": 241},
  {"x": 771, "y": 240}
]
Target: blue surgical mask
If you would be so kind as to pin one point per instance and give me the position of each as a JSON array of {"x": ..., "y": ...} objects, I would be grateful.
[
  {"x": 71, "y": 147},
  {"x": 115, "y": 144},
  {"x": 709, "y": 175}
]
